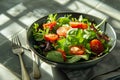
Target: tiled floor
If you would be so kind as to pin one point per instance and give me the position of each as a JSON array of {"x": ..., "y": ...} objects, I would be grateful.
[{"x": 17, "y": 15}]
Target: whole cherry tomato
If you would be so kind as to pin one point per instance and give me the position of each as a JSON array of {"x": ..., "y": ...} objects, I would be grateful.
[{"x": 96, "y": 46}]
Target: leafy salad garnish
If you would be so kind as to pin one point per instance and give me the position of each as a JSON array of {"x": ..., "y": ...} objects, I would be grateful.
[{"x": 68, "y": 39}]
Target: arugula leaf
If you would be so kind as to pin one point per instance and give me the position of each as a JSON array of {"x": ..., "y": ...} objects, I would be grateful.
[
  {"x": 75, "y": 36},
  {"x": 38, "y": 33},
  {"x": 35, "y": 27},
  {"x": 61, "y": 43},
  {"x": 52, "y": 17},
  {"x": 55, "y": 56},
  {"x": 79, "y": 36},
  {"x": 64, "y": 20},
  {"x": 80, "y": 18},
  {"x": 76, "y": 58},
  {"x": 85, "y": 56},
  {"x": 38, "y": 36},
  {"x": 89, "y": 34},
  {"x": 74, "y": 19}
]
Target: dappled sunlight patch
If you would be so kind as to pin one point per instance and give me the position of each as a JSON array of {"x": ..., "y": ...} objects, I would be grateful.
[
  {"x": 116, "y": 24},
  {"x": 47, "y": 68},
  {"x": 7, "y": 74},
  {"x": 63, "y": 2},
  {"x": 99, "y": 14},
  {"x": 3, "y": 19},
  {"x": 11, "y": 30},
  {"x": 16, "y": 10},
  {"x": 28, "y": 19},
  {"x": 79, "y": 7}
]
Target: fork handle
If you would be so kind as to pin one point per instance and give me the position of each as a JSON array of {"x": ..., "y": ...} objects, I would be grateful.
[
  {"x": 25, "y": 75},
  {"x": 36, "y": 71}
]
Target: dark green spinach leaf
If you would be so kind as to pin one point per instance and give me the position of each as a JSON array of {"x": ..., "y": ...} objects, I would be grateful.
[{"x": 55, "y": 56}]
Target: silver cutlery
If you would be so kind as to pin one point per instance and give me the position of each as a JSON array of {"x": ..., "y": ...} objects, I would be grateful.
[
  {"x": 36, "y": 71},
  {"x": 18, "y": 50}
]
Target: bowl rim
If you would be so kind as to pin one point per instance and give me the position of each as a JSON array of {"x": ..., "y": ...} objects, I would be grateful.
[{"x": 83, "y": 62}]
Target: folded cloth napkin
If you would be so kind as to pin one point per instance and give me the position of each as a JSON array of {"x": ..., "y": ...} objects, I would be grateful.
[{"x": 107, "y": 69}]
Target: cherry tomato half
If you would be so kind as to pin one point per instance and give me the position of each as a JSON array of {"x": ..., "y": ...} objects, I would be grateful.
[
  {"x": 77, "y": 50},
  {"x": 62, "y": 31},
  {"x": 78, "y": 25},
  {"x": 96, "y": 46},
  {"x": 50, "y": 25},
  {"x": 51, "y": 37}
]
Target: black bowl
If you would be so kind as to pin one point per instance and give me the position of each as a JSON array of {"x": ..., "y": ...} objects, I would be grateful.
[{"x": 109, "y": 31}]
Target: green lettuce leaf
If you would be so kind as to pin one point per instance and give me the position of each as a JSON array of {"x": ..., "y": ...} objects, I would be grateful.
[
  {"x": 76, "y": 58},
  {"x": 55, "y": 56}
]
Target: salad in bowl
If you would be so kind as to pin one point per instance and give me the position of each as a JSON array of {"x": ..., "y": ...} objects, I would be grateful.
[{"x": 67, "y": 39}]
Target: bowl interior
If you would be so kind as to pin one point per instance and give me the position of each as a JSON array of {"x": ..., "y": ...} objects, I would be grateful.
[{"x": 109, "y": 31}]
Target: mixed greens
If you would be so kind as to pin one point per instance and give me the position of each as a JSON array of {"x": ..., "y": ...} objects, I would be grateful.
[{"x": 68, "y": 39}]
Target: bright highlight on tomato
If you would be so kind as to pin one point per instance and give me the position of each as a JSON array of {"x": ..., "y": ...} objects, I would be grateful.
[
  {"x": 62, "y": 31},
  {"x": 77, "y": 50}
]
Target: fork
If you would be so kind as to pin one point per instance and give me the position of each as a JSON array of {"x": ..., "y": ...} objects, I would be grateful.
[
  {"x": 36, "y": 71},
  {"x": 18, "y": 50}
]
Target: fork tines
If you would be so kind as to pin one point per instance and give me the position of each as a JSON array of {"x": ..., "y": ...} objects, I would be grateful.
[{"x": 16, "y": 41}]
